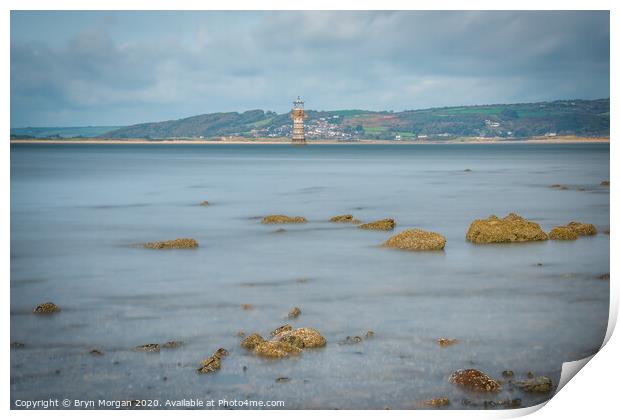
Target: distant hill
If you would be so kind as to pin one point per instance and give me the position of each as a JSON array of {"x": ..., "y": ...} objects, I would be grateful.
[
  {"x": 589, "y": 118},
  {"x": 61, "y": 132}
]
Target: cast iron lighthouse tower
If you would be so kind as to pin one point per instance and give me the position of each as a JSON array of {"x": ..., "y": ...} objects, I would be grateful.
[{"x": 298, "y": 116}]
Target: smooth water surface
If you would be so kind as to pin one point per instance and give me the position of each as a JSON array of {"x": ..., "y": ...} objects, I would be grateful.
[{"x": 77, "y": 212}]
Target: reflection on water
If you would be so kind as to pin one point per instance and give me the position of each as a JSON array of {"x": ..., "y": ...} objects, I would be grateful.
[{"x": 77, "y": 209}]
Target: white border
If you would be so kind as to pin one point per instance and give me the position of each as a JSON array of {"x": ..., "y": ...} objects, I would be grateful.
[{"x": 592, "y": 395}]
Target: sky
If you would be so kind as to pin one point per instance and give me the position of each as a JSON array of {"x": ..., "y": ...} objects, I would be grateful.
[{"x": 119, "y": 68}]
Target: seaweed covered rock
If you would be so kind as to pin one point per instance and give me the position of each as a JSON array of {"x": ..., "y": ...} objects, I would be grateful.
[
  {"x": 149, "y": 348},
  {"x": 416, "y": 240},
  {"x": 276, "y": 349},
  {"x": 301, "y": 337},
  {"x": 437, "y": 402},
  {"x": 212, "y": 363},
  {"x": 273, "y": 219},
  {"x": 46, "y": 308},
  {"x": 582, "y": 229},
  {"x": 180, "y": 243},
  {"x": 563, "y": 233},
  {"x": 343, "y": 218},
  {"x": 512, "y": 228},
  {"x": 251, "y": 341},
  {"x": 383, "y": 224},
  {"x": 540, "y": 384},
  {"x": 474, "y": 380}
]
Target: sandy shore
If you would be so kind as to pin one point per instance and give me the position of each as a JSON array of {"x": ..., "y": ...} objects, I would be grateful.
[{"x": 464, "y": 140}]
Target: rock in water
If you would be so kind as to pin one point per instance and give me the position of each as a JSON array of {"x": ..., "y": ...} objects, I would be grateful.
[
  {"x": 604, "y": 183},
  {"x": 474, "y": 380},
  {"x": 283, "y": 328},
  {"x": 46, "y": 308},
  {"x": 512, "y": 228},
  {"x": 301, "y": 337},
  {"x": 204, "y": 203},
  {"x": 563, "y": 233},
  {"x": 180, "y": 243},
  {"x": 344, "y": 218},
  {"x": 582, "y": 229},
  {"x": 150, "y": 348},
  {"x": 294, "y": 313},
  {"x": 280, "y": 219},
  {"x": 416, "y": 240},
  {"x": 212, "y": 363},
  {"x": 276, "y": 349},
  {"x": 540, "y": 384},
  {"x": 383, "y": 224},
  {"x": 445, "y": 342},
  {"x": 173, "y": 344},
  {"x": 437, "y": 402},
  {"x": 251, "y": 341}
]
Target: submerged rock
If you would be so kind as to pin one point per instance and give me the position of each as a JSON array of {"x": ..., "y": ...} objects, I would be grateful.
[
  {"x": 351, "y": 340},
  {"x": 279, "y": 230},
  {"x": 96, "y": 352},
  {"x": 173, "y": 344},
  {"x": 563, "y": 233},
  {"x": 582, "y": 229},
  {"x": 151, "y": 348},
  {"x": 251, "y": 341},
  {"x": 294, "y": 313},
  {"x": 343, "y": 218},
  {"x": 416, "y": 240},
  {"x": 46, "y": 308},
  {"x": 180, "y": 243},
  {"x": 474, "y": 380},
  {"x": 301, "y": 337},
  {"x": 204, "y": 203},
  {"x": 246, "y": 306},
  {"x": 280, "y": 219},
  {"x": 512, "y": 228},
  {"x": 508, "y": 374},
  {"x": 605, "y": 184},
  {"x": 276, "y": 349},
  {"x": 603, "y": 276},
  {"x": 437, "y": 402},
  {"x": 445, "y": 342},
  {"x": 383, "y": 224},
  {"x": 370, "y": 334},
  {"x": 17, "y": 345},
  {"x": 540, "y": 384}
]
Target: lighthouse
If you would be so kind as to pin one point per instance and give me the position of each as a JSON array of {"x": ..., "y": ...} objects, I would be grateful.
[{"x": 298, "y": 116}]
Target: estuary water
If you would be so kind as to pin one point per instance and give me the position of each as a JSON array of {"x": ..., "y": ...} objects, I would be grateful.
[{"x": 77, "y": 212}]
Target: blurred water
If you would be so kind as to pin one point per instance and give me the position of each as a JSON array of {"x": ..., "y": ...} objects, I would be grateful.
[{"x": 77, "y": 209}]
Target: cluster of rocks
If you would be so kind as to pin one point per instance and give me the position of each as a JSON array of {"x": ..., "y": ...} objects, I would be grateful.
[
  {"x": 475, "y": 380},
  {"x": 285, "y": 341},
  {"x": 274, "y": 219},
  {"x": 214, "y": 362},
  {"x": 180, "y": 243}
]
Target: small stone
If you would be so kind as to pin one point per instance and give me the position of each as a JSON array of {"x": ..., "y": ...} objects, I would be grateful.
[
  {"x": 416, "y": 240},
  {"x": 151, "y": 348},
  {"x": 294, "y": 313},
  {"x": 240, "y": 334},
  {"x": 46, "y": 308},
  {"x": 437, "y": 402},
  {"x": 603, "y": 276},
  {"x": 370, "y": 334},
  {"x": 246, "y": 307},
  {"x": 604, "y": 183},
  {"x": 204, "y": 203},
  {"x": 281, "y": 329},
  {"x": 540, "y": 384},
  {"x": 282, "y": 380},
  {"x": 173, "y": 344},
  {"x": 180, "y": 243},
  {"x": 96, "y": 352},
  {"x": 281, "y": 219},
  {"x": 17, "y": 345},
  {"x": 384, "y": 224},
  {"x": 508, "y": 374},
  {"x": 279, "y": 230},
  {"x": 251, "y": 341},
  {"x": 344, "y": 218},
  {"x": 210, "y": 365},
  {"x": 467, "y": 170},
  {"x": 556, "y": 186},
  {"x": 445, "y": 342},
  {"x": 351, "y": 340},
  {"x": 474, "y": 380}
]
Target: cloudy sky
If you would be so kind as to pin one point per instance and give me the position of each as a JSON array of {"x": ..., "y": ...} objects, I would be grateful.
[{"x": 116, "y": 68}]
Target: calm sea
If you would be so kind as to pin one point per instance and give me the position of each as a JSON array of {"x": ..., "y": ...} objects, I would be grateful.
[{"x": 78, "y": 210}]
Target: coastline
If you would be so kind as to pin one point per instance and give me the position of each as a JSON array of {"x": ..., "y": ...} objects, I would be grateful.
[{"x": 263, "y": 141}]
